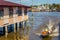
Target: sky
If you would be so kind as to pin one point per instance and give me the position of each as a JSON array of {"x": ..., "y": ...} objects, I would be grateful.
[{"x": 36, "y": 2}]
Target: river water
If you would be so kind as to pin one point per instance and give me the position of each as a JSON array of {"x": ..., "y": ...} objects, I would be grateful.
[{"x": 40, "y": 18}]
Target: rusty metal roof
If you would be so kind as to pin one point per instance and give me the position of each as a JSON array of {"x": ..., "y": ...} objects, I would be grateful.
[{"x": 7, "y": 3}]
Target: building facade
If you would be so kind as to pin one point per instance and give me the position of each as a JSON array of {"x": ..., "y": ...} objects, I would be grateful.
[{"x": 12, "y": 16}]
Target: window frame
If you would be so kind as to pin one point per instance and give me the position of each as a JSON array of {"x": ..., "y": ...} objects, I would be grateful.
[
  {"x": 10, "y": 12},
  {"x": 1, "y": 12},
  {"x": 19, "y": 11},
  {"x": 25, "y": 11}
]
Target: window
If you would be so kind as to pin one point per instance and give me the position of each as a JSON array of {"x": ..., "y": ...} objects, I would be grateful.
[
  {"x": 10, "y": 12},
  {"x": 25, "y": 11},
  {"x": 19, "y": 12},
  {"x": 1, "y": 13}
]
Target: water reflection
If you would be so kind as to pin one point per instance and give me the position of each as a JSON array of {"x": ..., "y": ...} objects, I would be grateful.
[
  {"x": 47, "y": 38},
  {"x": 42, "y": 18},
  {"x": 16, "y": 36}
]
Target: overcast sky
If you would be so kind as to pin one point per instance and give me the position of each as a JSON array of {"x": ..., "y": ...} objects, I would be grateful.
[{"x": 36, "y": 2}]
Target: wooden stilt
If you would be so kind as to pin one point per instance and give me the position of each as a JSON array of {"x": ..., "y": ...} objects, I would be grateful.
[
  {"x": 23, "y": 25},
  {"x": 17, "y": 27},
  {"x": 6, "y": 31},
  {"x": 14, "y": 28}
]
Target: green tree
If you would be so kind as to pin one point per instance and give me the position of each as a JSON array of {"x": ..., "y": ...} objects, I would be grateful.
[
  {"x": 50, "y": 6},
  {"x": 53, "y": 5}
]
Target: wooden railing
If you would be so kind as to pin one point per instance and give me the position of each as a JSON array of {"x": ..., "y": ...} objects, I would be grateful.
[{"x": 11, "y": 20}]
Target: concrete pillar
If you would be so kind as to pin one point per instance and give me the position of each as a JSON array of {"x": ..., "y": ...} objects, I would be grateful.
[
  {"x": 22, "y": 23},
  {"x": 23, "y": 16},
  {"x": 6, "y": 21},
  {"x": 6, "y": 31},
  {"x": 14, "y": 28},
  {"x": 15, "y": 15},
  {"x": 18, "y": 26},
  {"x": 6, "y": 15},
  {"x": 15, "y": 11}
]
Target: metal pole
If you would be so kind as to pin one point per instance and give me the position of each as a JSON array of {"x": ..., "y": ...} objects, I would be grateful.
[
  {"x": 32, "y": 2},
  {"x": 22, "y": 24},
  {"x": 32, "y": 5},
  {"x": 32, "y": 15},
  {"x": 20, "y": 1}
]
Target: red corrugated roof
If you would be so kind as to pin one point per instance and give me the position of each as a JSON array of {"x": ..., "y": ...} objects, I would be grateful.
[{"x": 7, "y": 3}]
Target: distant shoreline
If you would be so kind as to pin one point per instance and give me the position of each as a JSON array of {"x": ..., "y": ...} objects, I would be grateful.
[{"x": 44, "y": 11}]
